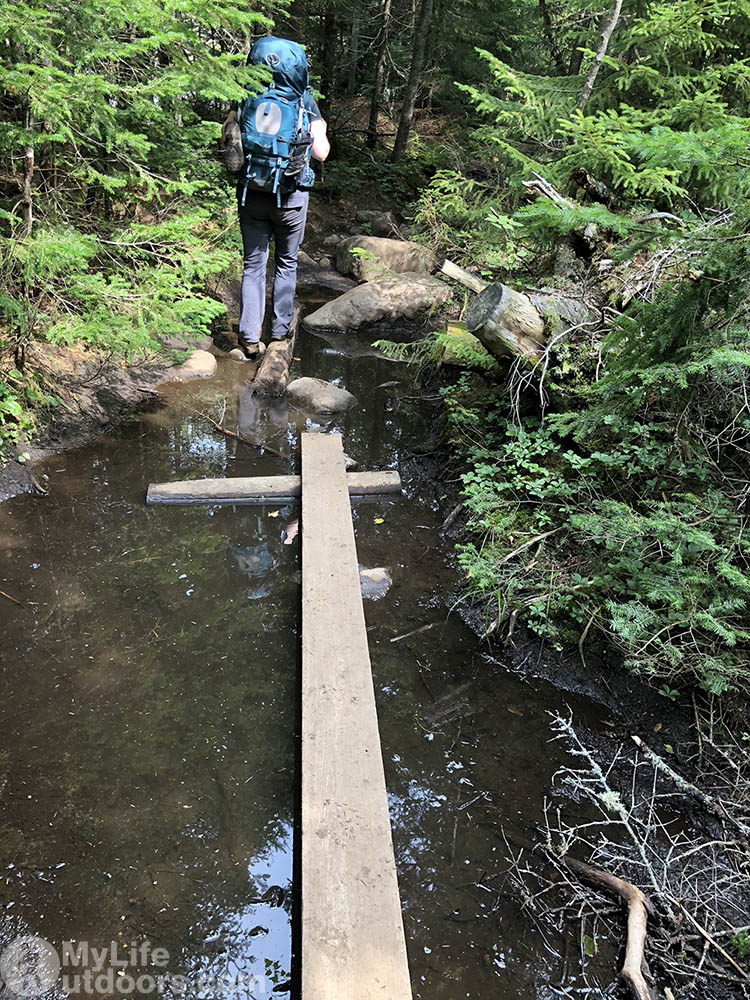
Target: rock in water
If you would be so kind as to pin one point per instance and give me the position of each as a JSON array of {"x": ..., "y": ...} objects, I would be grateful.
[
  {"x": 200, "y": 364},
  {"x": 382, "y": 257},
  {"x": 388, "y": 301},
  {"x": 375, "y": 583},
  {"x": 321, "y": 283},
  {"x": 318, "y": 396}
]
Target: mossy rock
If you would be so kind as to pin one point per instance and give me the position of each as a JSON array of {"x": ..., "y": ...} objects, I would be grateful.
[{"x": 459, "y": 347}]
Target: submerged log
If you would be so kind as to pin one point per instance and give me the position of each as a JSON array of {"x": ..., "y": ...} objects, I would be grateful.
[
  {"x": 272, "y": 375},
  {"x": 263, "y": 489},
  {"x": 506, "y": 322}
]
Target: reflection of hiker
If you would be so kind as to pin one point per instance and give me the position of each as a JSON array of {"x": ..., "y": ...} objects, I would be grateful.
[
  {"x": 280, "y": 130},
  {"x": 256, "y": 562},
  {"x": 263, "y": 420}
]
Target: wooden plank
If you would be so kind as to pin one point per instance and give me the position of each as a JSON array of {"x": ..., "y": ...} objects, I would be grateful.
[
  {"x": 352, "y": 932},
  {"x": 263, "y": 489},
  {"x": 272, "y": 374}
]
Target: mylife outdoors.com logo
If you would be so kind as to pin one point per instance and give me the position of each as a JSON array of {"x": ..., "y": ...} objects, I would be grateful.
[{"x": 30, "y": 967}]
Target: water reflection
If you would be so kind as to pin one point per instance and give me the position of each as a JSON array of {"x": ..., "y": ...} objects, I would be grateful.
[{"x": 149, "y": 701}]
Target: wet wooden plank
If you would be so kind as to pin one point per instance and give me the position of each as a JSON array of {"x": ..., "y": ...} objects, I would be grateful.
[
  {"x": 352, "y": 932},
  {"x": 263, "y": 489}
]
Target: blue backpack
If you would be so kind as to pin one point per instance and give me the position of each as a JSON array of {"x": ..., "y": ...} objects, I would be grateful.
[{"x": 275, "y": 125}]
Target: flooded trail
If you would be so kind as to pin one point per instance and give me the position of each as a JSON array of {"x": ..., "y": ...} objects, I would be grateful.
[{"x": 149, "y": 704}]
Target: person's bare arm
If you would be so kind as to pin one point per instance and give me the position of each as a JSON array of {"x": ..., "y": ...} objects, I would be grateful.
[{"x": 321, "y": 147}]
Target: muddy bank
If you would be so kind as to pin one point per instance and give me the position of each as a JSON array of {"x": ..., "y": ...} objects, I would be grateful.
[{"x": 92, "y": 394}]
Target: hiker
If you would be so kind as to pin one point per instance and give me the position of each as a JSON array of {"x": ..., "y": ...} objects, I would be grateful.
[{"x": 279, "y": 130}]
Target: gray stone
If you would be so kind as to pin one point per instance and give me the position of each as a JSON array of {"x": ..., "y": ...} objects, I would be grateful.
[
  {"x": 321, "y": 283},
  {"x": 375, "y": 583},
  {"x": 325, "y": 262},
  {"x": 305, "y": 258},
  {"x": 388, "y": 301},
  {"x": 200, "y": 364},
  {"x": 333, "y": 240},
  {"x": 385, "y": 224},
  {"x": 318, "y": 396},
  {"x": 382, "y": 257},
  {"x": 349, "y": 463}
]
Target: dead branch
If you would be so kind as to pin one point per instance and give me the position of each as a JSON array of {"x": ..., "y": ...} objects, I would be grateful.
[
  {"x": 713, "y": 805},
  {"x": 468, "y": 280},
  {"x": 707, "y": 937},
  {"x": 541, "y": 186},
  {"x": 238, "y": 437},
  {"x": 608, "y": 25},
  {"x": 634, "y": 971}
]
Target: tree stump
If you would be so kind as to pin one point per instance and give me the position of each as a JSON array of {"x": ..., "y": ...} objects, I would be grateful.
[{"x": 506, "y": 322}]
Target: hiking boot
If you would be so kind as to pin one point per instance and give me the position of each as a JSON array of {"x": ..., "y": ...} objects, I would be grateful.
[{"x": 252, "y": 352}]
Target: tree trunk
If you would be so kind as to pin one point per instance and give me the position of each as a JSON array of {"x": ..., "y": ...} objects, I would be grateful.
[
  {"x": 421, "y": 30},
  {"x": 351, "y": 84},
  {"x": 28, "y": 203},
  {"x": 576, "y": 58},
  {"x": 328, "y": 70},
  {"x": 377, "y": 89},
  {"x": 296, "y": 21},
  {"x": 549, "y": 34},
  {"x": 608, "y": 25}
]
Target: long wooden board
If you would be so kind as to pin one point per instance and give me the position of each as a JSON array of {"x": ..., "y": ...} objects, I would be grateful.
[
  {"x": 263, "y": 489},
  {"x": 352, "y": 936}
]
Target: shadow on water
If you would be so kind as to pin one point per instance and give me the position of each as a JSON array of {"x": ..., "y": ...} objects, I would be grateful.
[{"x": 147, "y": 753}]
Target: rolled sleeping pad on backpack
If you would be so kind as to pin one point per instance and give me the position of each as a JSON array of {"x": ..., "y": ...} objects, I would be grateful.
[{"x": 233, "y": 154}]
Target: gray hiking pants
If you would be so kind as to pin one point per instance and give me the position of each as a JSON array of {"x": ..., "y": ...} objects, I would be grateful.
[{"x": 260, "y": 218}]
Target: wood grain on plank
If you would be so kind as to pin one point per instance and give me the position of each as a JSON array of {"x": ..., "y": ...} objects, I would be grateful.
[{"x": 352, "y": 932}]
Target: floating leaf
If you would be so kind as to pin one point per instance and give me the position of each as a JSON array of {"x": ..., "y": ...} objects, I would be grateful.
[
  {"x": 379, "y": 520},
  {"x": 273, "y": 513},
  {"x": 589, "y": 945}
]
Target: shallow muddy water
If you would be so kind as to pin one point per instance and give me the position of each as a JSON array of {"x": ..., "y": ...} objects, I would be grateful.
[{"x": 149, "y": 706}]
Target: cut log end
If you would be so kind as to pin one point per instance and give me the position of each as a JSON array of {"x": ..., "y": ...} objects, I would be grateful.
[
  {"x": 506, "y": 322},
  {"x": 484, "y": 305}
]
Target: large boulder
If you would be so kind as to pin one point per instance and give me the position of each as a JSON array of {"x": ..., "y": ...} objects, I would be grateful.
[
  {"x": 318, "y": 396},
  {"x": 381, "y": 257},
  {"x": 392, "y": 300}
]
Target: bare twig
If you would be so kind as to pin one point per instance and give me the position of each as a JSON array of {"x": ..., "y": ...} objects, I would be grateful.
[{"x": 713, "y": 805}]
